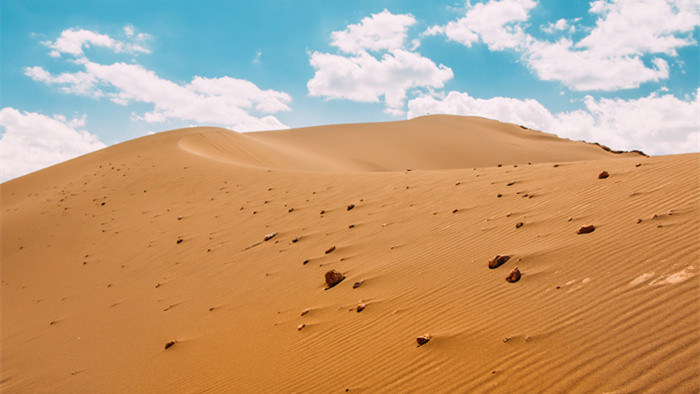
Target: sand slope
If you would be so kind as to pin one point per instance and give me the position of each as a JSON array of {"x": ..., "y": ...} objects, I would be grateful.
[{"x": 94, "y": 282}]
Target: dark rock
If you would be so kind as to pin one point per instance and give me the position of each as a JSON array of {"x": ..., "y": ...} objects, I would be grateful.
[
  {"x": 179, "y": 241},
  {"x": 307, "y": 261},
  {"x": 514, "y": 276},
  {"x": 269, "y": 236},
  {"x": 519, "y": 224},
  {"x": 498, "y": 261},
  {"x": 357, "y": 284},
  {"x": 351, "y": 206},
  {"x": 586, "y": 229},
  {"x": 331, "y": 249},
  {"x": 361, "y": 308},
  {"x": 304, "y": 312},
  {"x": 333, "y": 277},
  {"x": 300, "y": 326},
  {"x": 423, "y": 339},
  {"x": 169, "y": 344},
  {"x": 603, "y": 175},
  {"x": 499, "y": 195}
]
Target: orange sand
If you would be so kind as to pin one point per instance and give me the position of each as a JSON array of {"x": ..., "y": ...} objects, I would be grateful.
[{"x": 92, "y": 293}]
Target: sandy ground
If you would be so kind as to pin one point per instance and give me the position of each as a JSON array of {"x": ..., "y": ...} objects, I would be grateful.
[{"x": 109, "y": 257}]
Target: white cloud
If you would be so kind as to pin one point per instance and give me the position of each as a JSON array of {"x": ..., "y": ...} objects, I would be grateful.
[
  {"x": 561, "y": 25},
  {"x": 611, "y": 57},
  {"x": 382, "y": 31},
  {"x": 225, "y": 101},
  {"x": 32, "y": 141},
  {"x": 656, "y": 124},
  {"x": 386, "y": 76},
  {"x": 73, "y": 41},
  {"x": 365, "y": 78},
  {"x": 494, "y": 22}
]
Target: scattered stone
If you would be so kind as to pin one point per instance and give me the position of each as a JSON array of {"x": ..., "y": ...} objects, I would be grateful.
[
  {"x": 331, "y": 249},
  {"x": 358, "y": 284},
  {"x": 361, "y": 307},
  {"x": 556, "y": 165},
  {"x": 179, "y": 218},
  {"x": 458, "y": 183},
  {"x": 295, "y": 240},
  {"x": 351, "y": 226},
  {"x": 570, "y": 219},
  {"x": 639, "y": 221},
  {"x": 499, "y": 195},
  {"x": 514, "y": 276},
  {"x": 498, "y": 261},
  {"x": 351, "y": 206},
  {"x": 291, "y": 210},
  {"x": 519, "y": 224},
  {"x": 500, "y": 165},
  {"x": 307, "y": 261},
  {"x": 586, "y": 229},
  {"x": 323, "y": 211},
  {"x": 304, "y": 312},
  {"x": 169, "y": 344},
  {"x": 423, "y": 339},
  {"x": 300, "y": 326},
  {"x": 269, "y": 236},
  {"x": 638, "y": 165},
  {"x": 333, "y": 277},
  {"x": 510, "y": 184},
  {"x": 455, "y": 211},
  {"x": 179, "y": 241},
  {"x": 603, "y": 175}
]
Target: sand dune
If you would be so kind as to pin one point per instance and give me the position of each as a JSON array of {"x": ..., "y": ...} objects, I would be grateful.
[{"x": 160, "y": 241}]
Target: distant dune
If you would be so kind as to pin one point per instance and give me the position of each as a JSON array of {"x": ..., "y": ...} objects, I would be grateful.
[{"x": 196, "y": 260}]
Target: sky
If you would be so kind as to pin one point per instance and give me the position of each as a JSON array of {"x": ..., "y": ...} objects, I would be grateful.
[{"x": 78, "y": 76}]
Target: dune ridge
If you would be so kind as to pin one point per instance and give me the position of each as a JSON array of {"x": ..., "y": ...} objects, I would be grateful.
[{"x": 109, "y": 257}]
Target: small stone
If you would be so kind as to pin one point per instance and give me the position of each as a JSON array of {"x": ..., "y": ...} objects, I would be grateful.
[
  {"x": 291, "y": 210},
  {"x": 455, "y": 211},
  {"x": 639, "y": 221},
  {"x": 514, "y": 276},
  {"x": 351, "y": 206},
  {"x": 498, "y": 261},
  {"x": 322, "y": 212},
  {"x": 169, "y": 344},
  {"x": 304, "y": 312},
  {"x": 358, "y": 284},
  {"x": 519, "y": 224},
  {"x": 331, "y": 249},
  {"x": 269, "y": 236},
  {"x": 333, "y": 277},
  {"x": 423, "y": 339},
  {"x": 499, "y": 195},
  {"x": 556, "y": 165},
  {"x": 300, "y": 326},
  {"x": 638, "y": 165},
  {"x": 500, "y": 165},
  {"x": 179, "y": 241},
  {"x": 295, "y": 240},
  {"x": 586, "y": 229},
  {"x": 351, "y": 226},
  {"x": 307, "y": 261},
  {"x": 361, "y": 308},
  {"x": 510, "y": 184},
  {"x": 603, "y": 175}
]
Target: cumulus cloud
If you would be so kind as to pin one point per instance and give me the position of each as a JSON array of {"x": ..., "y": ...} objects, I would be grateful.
[
  {"x": 388, "y": 75},
  {"x": 656, "y": 124},
  {"x": 73, "y": 41},
  {"x": 382, "y": 31},
  {"x": 31, "y": 141},
  {"x": 610, "y": 57},
  {"x": 230, "y": 102}
]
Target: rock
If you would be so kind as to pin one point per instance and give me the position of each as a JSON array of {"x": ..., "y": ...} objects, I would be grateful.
[
  {"x": 331, "y": 249},
  {"x": 307, "y": 261},
  {"x": 351, "y": 206},
  {"x": 603, "y": 175},
  {"x": 300, "y": 326},
  {"x": 291, "y": 210},
  {"x": 358, "y": 284},
  {"x": 304, "y": 312},
  {"x": 270, "y": 236},
  {"x": 323, "y": 211},
  {"x": 499, "y": 195},
  {"x": 361, "y": 308},
  {"x": 455, "y": 211},
  {"x": 423, "y": 339},
  {"x": 498, "y": 261},
  {"x": 514, "y": 276},
  {"x": 169, "y": 344},
  {"x": 333, "y": 277},
  {"x": 556, "y": 165},
  {"x": 510, "y": 184},
  {"x": 179, "y": 241},
  {"x": 519, "y": 224},
  {"x": 295, "y": 240},
  {"x": 586, "y": 229},
  {"x": 639, "y": 221},
  {"x": 638, "y": 165},
  {"x": 351, "y": 226},
  {"x": 500, "y": 165}
]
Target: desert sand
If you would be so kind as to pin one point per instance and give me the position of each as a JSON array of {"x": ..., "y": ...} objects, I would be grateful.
[{"x": 144, "y": 266}]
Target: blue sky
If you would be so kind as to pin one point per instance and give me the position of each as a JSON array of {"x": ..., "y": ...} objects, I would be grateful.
[{"x": 77, "y": 76}]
